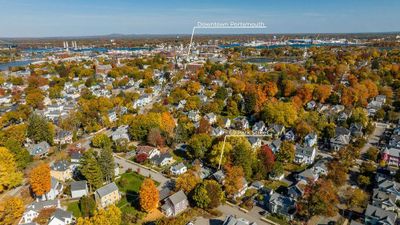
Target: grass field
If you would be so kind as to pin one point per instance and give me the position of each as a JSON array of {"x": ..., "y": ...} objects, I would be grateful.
[
  {"x": 130, "y": 182},
  {"x": 74, "y": 208}
]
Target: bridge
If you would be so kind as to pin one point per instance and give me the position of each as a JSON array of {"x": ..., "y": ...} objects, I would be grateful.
[{"x": 7, "y": 44}]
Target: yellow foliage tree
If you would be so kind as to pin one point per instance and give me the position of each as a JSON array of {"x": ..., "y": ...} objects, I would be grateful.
[
  {"x": 40, "y": 179},
  {"x": 9, "y": 176},
  {"x": 148, "y": 195},
  {"x": 11, "y": 210},
  {"x": 187, "y": 181},
  {"x": 109, "y": 216}
]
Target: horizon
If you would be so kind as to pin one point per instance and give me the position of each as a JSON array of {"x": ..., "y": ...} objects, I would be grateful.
[{"x": 44, "y": 19}]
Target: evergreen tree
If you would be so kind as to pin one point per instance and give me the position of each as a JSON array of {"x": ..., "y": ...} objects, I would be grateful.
[
  {"x": 39, "y": 129},
  {"x": 106, "y": 162},
  {"x": 91, "y": 170}
]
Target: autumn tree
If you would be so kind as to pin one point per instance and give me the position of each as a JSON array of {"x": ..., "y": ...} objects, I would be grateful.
[
  {"x": 322, "y": 92},
  {"x": 40, "y": 179},
  {"x": 187, "y": 181},
  {"x": 87, "y": 205},
  {"x": 155, "y": 138},
  {"x": 320, "y": 198},
  {"x": 286, "y": 152},
  {"x": 267, "y": 157},
  {"x": 198, "y": 145},
  {"x": 11, "y": 210},
  {"x": 356, "y": 197},
  {"x": 101, "y": 140},
  {"x": 109, "y": 216},
  {"x": 234, "y": 179},
  {"x": 280, "y": 113},
  {"x": 10, "y": 177},
  {"x": 148, "y": 195},
  {"x": 167, "y": 123},
  {"x": 214, "y": 155}
]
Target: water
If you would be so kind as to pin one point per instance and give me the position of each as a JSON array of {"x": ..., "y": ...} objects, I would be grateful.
[
  {"x": 292, "y": 45},
  {"x": 5, "y": 66}
]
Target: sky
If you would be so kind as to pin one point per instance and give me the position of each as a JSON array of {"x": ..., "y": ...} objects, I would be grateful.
[{"x": 51, "y": 18}]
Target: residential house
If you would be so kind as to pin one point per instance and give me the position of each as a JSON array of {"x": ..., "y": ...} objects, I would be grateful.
[
  {"x": 219, "y": 176},
  {"x": 194, "y": 116},
  {"x": 311, "y": 105},
  {"x": 275, "y": 145},
  {"x": 120, "y": 133},
  {"x": 112, "y": 116},
  {"x": 242, "y": 190},
  {"x": 280, "y": 204},
  {"x": 305, "y": 155},
  {"x": 39, "y": 150},
  {"x": 61, "y": 217},
  {"x": 107, "y": 195},
  {"x": 341, "y": 139},
  {"x": 79, "y": 189},
  {"x": 384, "y": 200},
  {"x": 297, "y": 190},
  {"x": 175, "y": 204},
  {"x": 356, "y": 130},
  {"x": 63, "y": 137},
  {"x": 377, "y": 216},
  {"x": 55, "y": 189},
  {"x": 241, "y": 123},
  {"x": 275, "y": 130},
  {"x": 289, "y": 136},
  {"x": 32, "y": 211},
  {"x": 150, "y": 151},
  {"x": 61, "y": 170},
  {"x": 211, "y": 118},
  {"x": 233, "y": 220},
  {"x": 390, "y": 186},
  {"x": 226, "y": 123},
  {"x": 255, "y": 142},
  {"x": 259, "y": 128},
  {"x": 391, "y": 156},
  {"x": 76, "y": 157},
  {"x": 320, "y": 167},
  {"x": 308, "y": 175},
  {"x": 142, "y": 101},
  {"x": 162, "y": 159},
  {"x": 310, "y": 139},
  {"x": 217, "y": 131},
  {"x": 178, "y": 169}
]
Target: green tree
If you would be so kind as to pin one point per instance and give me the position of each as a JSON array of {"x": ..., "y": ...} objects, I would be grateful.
[
  {"x": 198, "y": 145},
  {"x": 90, "y": 168},
  {"x": 200, "y": 196},
  {"x": 106, "y": 161},
  {"x": 21, "y": 155},
  {"x": 101, "y": 141},
  {"x": 39, "y": 129},
  {"x": 279, "y": 112},
  {"x": 87, "y": 206},
  {"x": 242, "y": 156},
  {"x": 286, "y": 152}
]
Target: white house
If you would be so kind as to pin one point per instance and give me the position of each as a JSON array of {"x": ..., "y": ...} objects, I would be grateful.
[
  {"x": 79, "y": 189},
  {"x": 178, "y": 169},
  {"x": 305, "y": 155},
  {"x": 32, "y": 211},
  {"x": 61, "y": 217},
  {"x": 55, "y": 189}
]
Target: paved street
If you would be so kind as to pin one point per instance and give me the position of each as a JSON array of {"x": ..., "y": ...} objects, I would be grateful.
[{"x": 374, "y": 137}]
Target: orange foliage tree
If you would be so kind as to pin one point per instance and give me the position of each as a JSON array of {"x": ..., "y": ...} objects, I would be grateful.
[
  {"x": 149, "y": 195},
  {"x": 40, "y": 179},
  {"x": 234, "y": 179}
]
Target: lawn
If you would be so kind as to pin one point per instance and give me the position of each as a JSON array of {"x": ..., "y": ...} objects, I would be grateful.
[
  {"x": 275, "y": 184},
  {"x": 74, "y": 208},
  {"x": 130, "y": 182}
]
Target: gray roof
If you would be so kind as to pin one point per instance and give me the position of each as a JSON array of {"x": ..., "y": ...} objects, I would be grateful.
[
  {"x": 37, "y": 206},
  {"x": 39, "y": 148},
  {"x": 61, "y": 165},
  {"x": 231, "y": 220},
  {"x": 79, "y": 185},
  {"x": 177, "y": 197},
  {"x": 380, "y": 214},
  {"x": 61, "y": 214},
  {"x": 179, "y": 166},
  {"x": 107, "y": 189},
  {"x": 159, "y": 158},
  {"x": 304, "y": 150}
]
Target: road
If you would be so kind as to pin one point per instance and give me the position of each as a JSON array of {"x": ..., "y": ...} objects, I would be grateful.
[
  {"x": 127, "y": 164},
  {"x": 374, "y": 137},
  {"x": 252, "y": 216}
]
